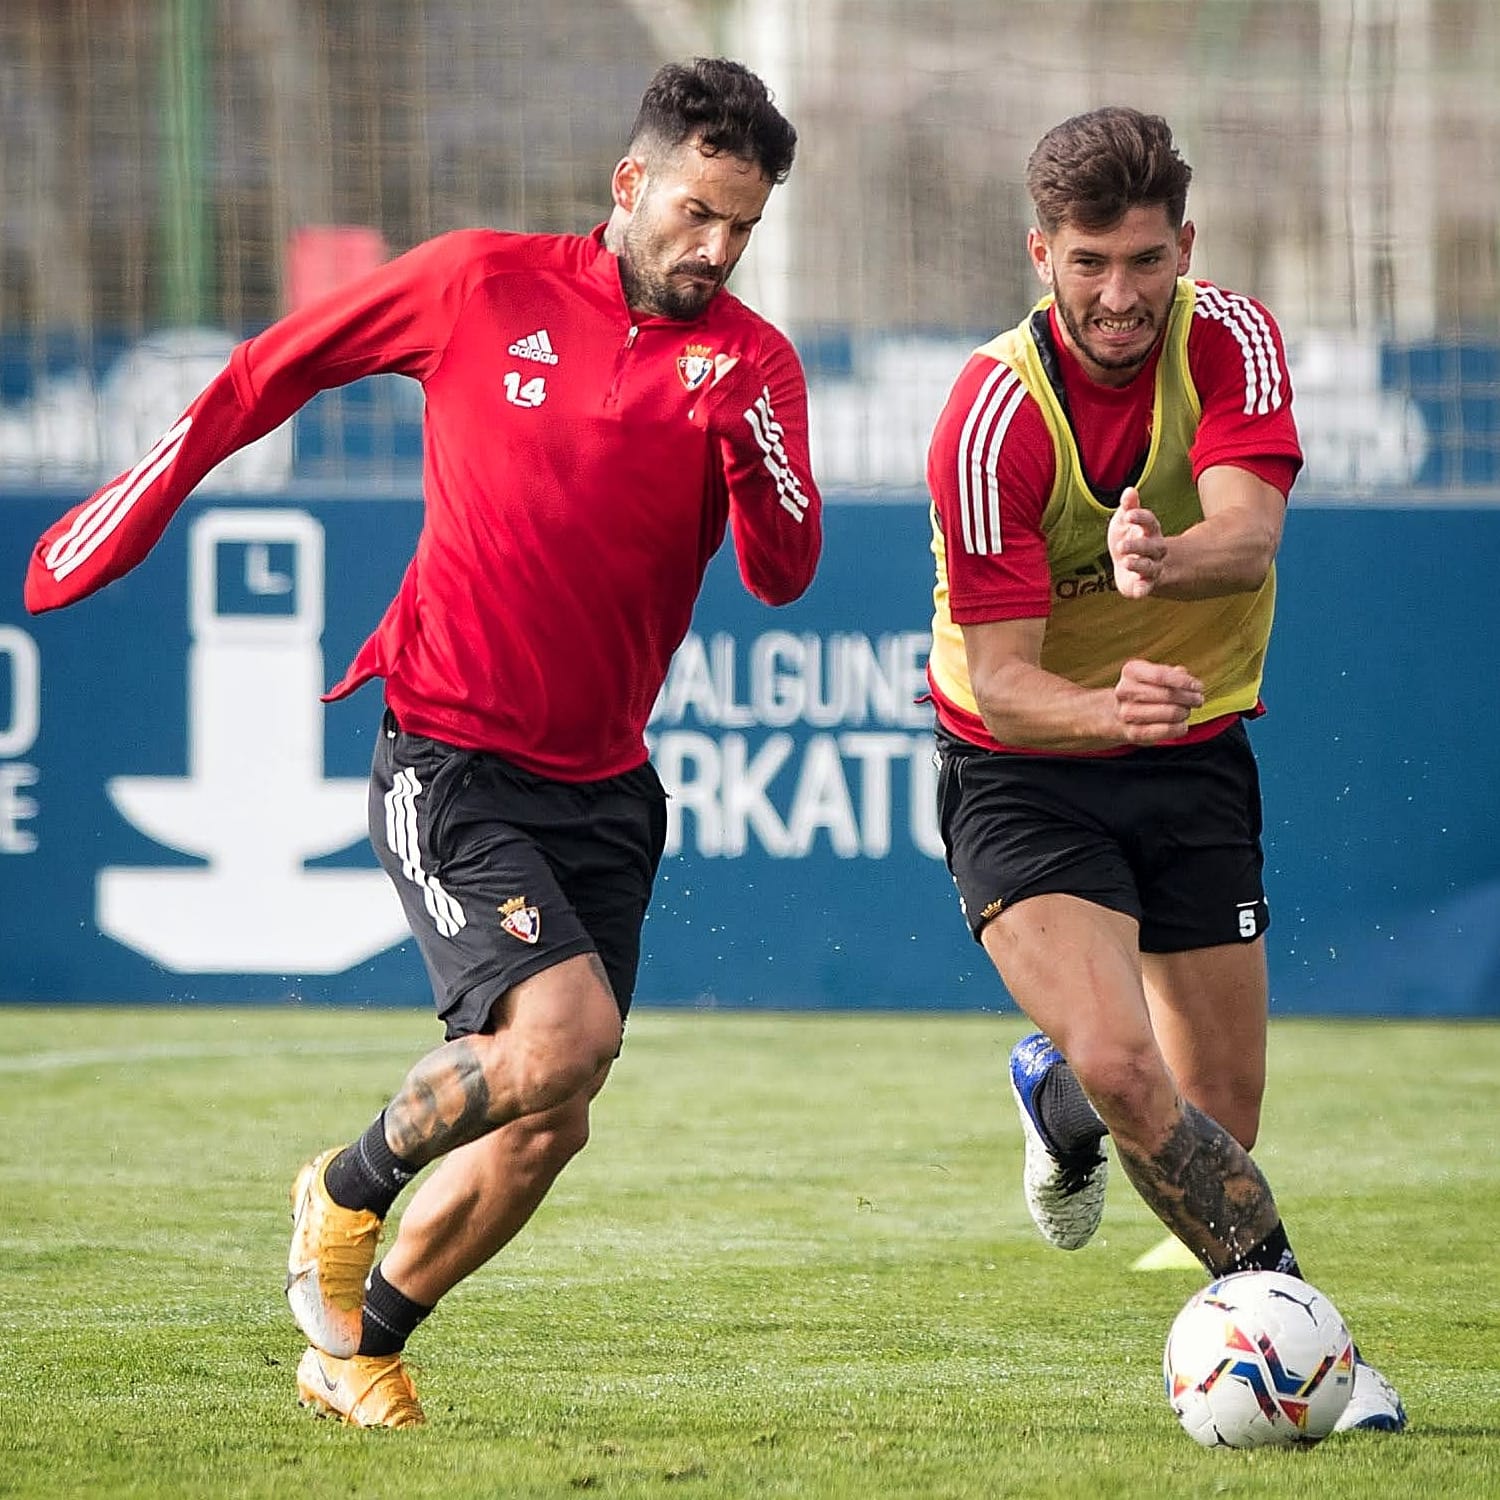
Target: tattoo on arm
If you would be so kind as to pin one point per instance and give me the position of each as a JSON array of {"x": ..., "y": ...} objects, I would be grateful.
[
  {"x": 1203, "y": 1185},
  {"x": 444, "y": 1103}
]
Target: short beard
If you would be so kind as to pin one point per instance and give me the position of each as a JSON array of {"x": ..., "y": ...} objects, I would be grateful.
[
  {"x": 1116, "y": 364},
  {"x": 662, "y": 296}
]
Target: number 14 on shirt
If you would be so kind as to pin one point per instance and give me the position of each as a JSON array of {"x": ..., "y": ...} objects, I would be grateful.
[{"x": 532, "y": 393}]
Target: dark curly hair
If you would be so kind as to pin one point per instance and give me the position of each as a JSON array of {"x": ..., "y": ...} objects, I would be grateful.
[
  {"x": 1091, "y": 169},
  {"x": 720, "y": 104}
]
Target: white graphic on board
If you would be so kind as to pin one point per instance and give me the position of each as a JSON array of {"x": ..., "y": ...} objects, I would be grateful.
[
  {"x": 254, "y": 804},
  {"x": 1356, "y": 434}
]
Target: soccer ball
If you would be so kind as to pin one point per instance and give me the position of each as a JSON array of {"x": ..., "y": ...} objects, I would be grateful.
[{"x": 1258, "y": 1359}]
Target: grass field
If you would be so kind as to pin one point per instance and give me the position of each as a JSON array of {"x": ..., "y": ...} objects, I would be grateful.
[{"x": 795, "y": 1261}]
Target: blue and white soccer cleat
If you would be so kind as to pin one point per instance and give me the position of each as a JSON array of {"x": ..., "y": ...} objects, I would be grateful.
[
  {"x": 1374, "y": 1405},
  {"x": 1065, "y": 1193}
]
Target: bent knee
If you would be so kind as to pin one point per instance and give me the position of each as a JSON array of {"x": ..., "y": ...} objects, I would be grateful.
[
  {"x": 558, "y": 1034},
  {"x": 1129, "y": 1086},
  {"x": 548, "y": 1072},
  {"x": 553, "y": 1138}
]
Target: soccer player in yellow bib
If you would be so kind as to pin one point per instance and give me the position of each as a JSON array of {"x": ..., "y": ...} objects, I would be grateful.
[{"x": 1109, "y": 481}]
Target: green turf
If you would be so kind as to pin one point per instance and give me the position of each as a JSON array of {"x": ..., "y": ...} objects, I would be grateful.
[{"x": 794, "y": 1261}]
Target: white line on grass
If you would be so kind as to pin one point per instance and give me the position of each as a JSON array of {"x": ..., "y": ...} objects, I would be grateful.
[{"x": 49, "y": 1062}]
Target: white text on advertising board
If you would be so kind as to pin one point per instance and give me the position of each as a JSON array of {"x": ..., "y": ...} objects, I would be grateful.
[
  {"x": 795, "y": 743},
  {"x": 20, "y": 723}
]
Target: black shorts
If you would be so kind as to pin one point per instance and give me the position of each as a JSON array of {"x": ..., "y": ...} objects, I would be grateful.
[
  {"x": 1169, "y": 835},
  {"x": 504, "y": 873}
]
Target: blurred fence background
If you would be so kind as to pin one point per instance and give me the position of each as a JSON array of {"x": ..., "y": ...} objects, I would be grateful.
[
  {"x": 202, "y": 164},
  {"x": 177, "y": 173}
]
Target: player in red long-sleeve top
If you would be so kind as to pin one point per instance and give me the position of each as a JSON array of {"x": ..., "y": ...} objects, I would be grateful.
[{"x": 598, "y": 411}]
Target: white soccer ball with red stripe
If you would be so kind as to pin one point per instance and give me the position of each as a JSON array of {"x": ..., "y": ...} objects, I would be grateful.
[{"x": 1258, "y": 1360}]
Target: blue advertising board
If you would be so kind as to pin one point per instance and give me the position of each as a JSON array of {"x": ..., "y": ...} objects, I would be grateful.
[{"x": 182, "y": 820}]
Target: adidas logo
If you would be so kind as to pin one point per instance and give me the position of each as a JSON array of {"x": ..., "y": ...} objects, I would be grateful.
[
  {"x": 1097, "y": 577},
  {"x": 535, "y": 346}
]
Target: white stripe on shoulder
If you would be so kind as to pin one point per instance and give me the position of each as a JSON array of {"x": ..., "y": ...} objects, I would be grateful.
[
  {"x": 992, "y": 464},
  {"x": 978, "y": 455},
  {"x": 1265, "y": 387}
]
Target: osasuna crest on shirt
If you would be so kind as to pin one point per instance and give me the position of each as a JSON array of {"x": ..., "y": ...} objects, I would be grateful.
[
  {"x": 694, "y": 365},
  {"x": 520, "y": 920}
]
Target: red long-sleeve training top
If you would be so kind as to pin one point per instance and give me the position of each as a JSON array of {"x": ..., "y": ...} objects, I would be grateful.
[{"x": 581, "y": 465}]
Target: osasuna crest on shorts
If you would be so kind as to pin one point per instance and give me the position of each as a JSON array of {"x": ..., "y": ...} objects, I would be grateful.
[{"x": 520, "y": 920}]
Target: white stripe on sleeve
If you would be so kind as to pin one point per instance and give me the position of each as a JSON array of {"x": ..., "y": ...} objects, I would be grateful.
[
  {"x": 98, "y": 521},
  {"x": 1264, "y": 386}
]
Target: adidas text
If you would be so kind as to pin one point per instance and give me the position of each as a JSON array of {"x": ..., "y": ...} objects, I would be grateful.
[{"x": 537, "y": 346}]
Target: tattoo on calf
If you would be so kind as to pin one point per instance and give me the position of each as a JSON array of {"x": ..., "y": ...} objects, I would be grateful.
[
  {"x": 1205, "y": 1188},
  {"x": 444, "y": 1103}
]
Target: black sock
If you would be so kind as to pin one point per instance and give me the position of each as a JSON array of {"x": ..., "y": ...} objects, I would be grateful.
[
  {"x": 1274, "y": 1253},
  {"x": 368, "y": 1174},
  {"x": 1068, "y": 1119},
  {"x": 390, "y": 1317}
]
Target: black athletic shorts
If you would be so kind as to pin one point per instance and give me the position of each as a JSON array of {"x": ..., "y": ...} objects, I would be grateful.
[
  {"x": 1169, "y": 835},
  {"x": 504, "y": 873}
]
